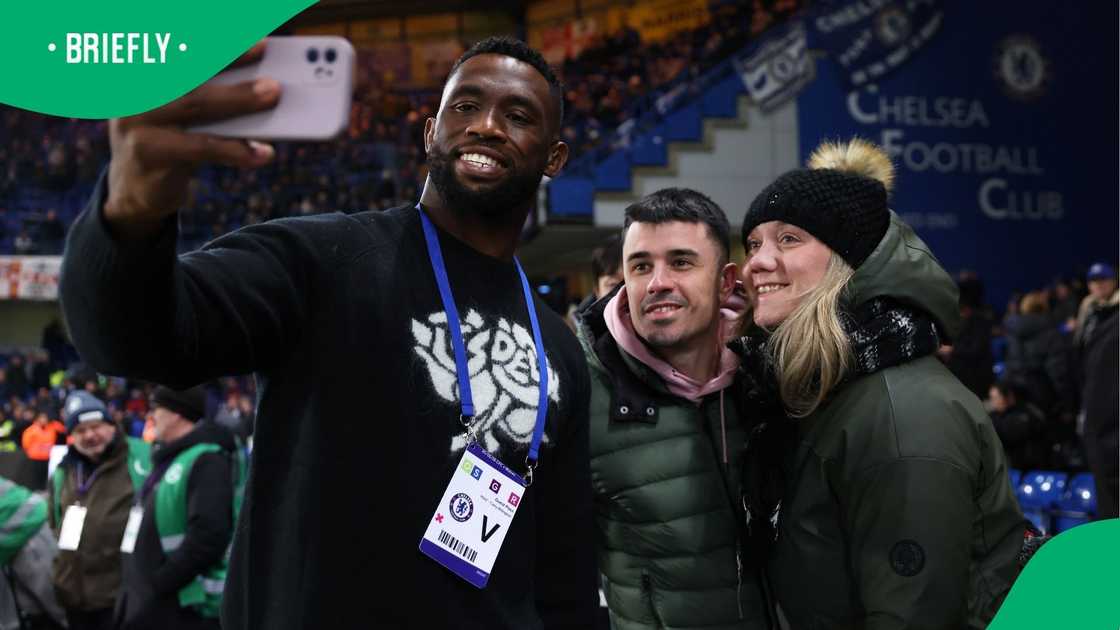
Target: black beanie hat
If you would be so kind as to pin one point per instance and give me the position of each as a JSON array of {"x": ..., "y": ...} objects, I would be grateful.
[
  {"x": 844, "y": 210},
  {"x": 189, "y": 403}
]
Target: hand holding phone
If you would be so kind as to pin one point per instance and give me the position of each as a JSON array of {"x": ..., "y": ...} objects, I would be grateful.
[
  {"x": 316, "y": 75},
  {"x": 279, "y": 89}
]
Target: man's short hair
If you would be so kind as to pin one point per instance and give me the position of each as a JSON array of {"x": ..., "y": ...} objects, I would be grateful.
[
  {"x": 606, "y": 259},
  {"x": 519, "y": 50},
  {"x": 687, "y": 205}
]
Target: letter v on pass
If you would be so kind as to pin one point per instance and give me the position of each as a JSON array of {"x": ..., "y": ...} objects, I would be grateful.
[{"x": 486, "y": 534}]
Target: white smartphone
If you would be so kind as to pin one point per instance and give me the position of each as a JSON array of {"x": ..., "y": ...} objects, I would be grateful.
[{"x": 316, "y": 74}]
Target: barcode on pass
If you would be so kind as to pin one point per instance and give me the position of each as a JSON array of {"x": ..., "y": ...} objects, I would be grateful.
[{"x": 458, "y": 547}]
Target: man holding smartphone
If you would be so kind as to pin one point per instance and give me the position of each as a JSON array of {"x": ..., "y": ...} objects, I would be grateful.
[{"x": 431, "y": 469}]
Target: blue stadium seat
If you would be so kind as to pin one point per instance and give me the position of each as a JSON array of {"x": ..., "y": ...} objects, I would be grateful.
[
  {"x": 1078, "y": 504},
  {"x": 1041, "y": 489},
  {"x": 1039, "y": 492},
  {"x": 1080, "y": 495}
]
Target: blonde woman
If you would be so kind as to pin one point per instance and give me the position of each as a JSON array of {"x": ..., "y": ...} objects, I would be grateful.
[{"x": 877, "y": 488}]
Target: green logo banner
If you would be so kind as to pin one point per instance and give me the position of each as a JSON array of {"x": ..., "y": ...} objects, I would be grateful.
[
  {"x": 1070, "y": 583},
  {"x": 85, "y": 59}
]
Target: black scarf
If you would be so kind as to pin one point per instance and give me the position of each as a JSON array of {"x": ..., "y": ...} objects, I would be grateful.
[
  {"x": 885, "y": 333},
  {"x": 882, "y": 332}
]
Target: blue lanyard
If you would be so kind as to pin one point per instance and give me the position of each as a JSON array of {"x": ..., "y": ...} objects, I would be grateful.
[{"x": 435, "y": 254}]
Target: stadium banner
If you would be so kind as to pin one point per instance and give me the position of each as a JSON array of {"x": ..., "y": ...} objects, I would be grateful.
[
  {"x": 870, "y": 38},
  {"x": 658, "y": 20},
  {"x": 29, "y": 277},
  {"x": 775, "y": 72},
  {"x": 105, "y": 59},
  {"x": 1003, "y": 136}
]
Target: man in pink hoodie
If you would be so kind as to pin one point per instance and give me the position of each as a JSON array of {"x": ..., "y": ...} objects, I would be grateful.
[{"x": 666, "y": 436}]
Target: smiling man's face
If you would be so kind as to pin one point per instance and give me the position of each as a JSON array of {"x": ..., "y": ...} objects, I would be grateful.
[
  {"x": 494, "y": 137},
  {"x": 674, "y": 278}
]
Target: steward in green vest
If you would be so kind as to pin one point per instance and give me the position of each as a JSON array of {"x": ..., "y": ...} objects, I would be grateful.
[
  {"x": 9, "y": 435},
  {"x": 175, "y": 575},
  {"x": 100, "y": 473},
  {"x": 22, "y": 513},
  {"x": 27, "y": 549}
]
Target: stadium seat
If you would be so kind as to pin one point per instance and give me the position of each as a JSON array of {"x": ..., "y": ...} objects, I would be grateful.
[
  {"x": 1077, "y": 505},
  {"x": 1041, "y": 489},
  {"x": 1080, "y": 495},
  {"x": 1039, "y": 492}
]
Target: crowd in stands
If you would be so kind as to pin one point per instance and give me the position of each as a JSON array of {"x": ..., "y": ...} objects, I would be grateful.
[
  {"x": 1034, "y": 366},
  {"x": 32, "y": 394},
  {"x": 48, "y": 165},
  {"x": 615, "y": 79}
]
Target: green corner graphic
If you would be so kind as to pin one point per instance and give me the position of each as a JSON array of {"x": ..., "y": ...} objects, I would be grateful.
[
  {"x": 107, "y": 59},
  {"x": 1070, "y": 583}
]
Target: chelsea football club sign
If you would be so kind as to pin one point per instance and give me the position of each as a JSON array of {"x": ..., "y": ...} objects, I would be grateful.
[{"x": 1002, "y": 127}]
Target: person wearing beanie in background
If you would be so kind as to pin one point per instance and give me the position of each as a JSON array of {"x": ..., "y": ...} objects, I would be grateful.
[
  {"x": 88, "y": 504},
  {"x": 876, "y": 485},
  {"x": 1095, "y": 344},
  {"x": 666, "y": 436},
  {"x": 1103, "y": 293},
  {"x": 174, "y": 576}
]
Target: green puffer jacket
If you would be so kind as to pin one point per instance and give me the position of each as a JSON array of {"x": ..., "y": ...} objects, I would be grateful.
[
  {"x": 666, "y": 503},
  {"x": 897, "y": 510}
]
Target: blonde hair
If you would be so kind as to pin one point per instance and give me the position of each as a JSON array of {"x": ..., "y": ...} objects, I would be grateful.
[
  {"x": 1034, "y": 302},
  {"x": 811, "y": 353}
]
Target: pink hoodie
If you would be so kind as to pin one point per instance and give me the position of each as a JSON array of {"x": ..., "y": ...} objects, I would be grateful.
[
  {"x": 621, "y": 328},
  {"x": 617, "y": 316}
]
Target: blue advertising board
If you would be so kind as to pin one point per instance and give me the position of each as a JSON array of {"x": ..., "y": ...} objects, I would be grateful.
[{"x": 1002, "y": 121}]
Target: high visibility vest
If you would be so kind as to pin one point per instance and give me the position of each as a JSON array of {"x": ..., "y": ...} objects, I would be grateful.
[
  {"x": 204, "y": 592},
  {"x": 38, "y": 440},
  {"x": 7, "y": 439},
  {"x": 139, "y": 466},
  {"x": 22, "y": 513}
]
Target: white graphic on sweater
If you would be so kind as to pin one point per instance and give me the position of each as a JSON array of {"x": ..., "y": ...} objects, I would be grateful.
[{"x": 502, "y": 363}]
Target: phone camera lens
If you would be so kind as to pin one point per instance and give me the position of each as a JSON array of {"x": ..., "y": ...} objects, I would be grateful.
[
  {"x": 313, "y": 54},
  {"x": 330, "y": 55}
]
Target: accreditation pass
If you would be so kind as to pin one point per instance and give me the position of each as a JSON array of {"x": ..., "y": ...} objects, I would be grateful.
[{"x": 470, "y": 523}]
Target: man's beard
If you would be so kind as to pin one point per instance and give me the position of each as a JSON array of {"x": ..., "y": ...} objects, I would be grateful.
[{"x": 492, "y": 205}]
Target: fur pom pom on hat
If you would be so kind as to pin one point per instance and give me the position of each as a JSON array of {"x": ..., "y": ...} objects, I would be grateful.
[{"x": 841, "y": 199}]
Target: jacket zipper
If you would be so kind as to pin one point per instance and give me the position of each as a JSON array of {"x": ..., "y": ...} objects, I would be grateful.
[
  {"x": 724, "y": 471},
  {"x": 647, "y": 590}
]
